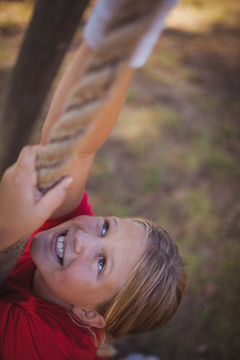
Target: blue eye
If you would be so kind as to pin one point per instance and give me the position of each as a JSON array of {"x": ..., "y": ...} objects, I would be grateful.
[
  {"x": 105, "y": 228},
  {"x": 101, "y": 264}
]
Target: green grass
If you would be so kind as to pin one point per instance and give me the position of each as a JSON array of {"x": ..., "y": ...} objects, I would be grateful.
[
  {"x": 132, "y": 95},
  {"x": 152, "y": 177}
]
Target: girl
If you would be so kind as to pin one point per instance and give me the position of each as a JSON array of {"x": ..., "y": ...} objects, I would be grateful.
[{"x": 80, "y": 277}]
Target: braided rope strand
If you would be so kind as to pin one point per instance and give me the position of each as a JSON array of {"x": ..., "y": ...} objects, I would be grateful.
[{"x": 122, "y": 32}]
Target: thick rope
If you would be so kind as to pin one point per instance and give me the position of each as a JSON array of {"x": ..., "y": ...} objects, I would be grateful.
[{"x": 129, "y": 22}]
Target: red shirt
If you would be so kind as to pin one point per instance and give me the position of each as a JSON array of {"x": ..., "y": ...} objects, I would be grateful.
[{"x": 33, "y": 329}]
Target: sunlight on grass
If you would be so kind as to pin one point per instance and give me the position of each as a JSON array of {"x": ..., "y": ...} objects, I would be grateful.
[
  {"x": 199, "y": 16},
  {"x": 137, "y": 123},
  {"x": 14, "y": 15},
  {"x": 167, "y": 69},
  {"x": 165, "y": 57}
]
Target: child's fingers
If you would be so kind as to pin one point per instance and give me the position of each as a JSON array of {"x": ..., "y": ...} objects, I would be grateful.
[
  {"x": 28, "y": 157},
  {"x": 54, "y": 197},
  {"x": 23, "y": 171},
  {"x": 29, "y": 154},
  {"x": 26, "y": 164}
]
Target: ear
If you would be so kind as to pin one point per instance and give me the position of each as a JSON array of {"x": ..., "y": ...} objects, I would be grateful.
[{"x": 91, "y": 318}]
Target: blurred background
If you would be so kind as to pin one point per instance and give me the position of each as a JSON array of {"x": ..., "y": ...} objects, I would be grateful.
[{"x": 173, "y": 157}]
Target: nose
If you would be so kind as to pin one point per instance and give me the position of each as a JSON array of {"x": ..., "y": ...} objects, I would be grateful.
[{"x": 85, "y": 244}]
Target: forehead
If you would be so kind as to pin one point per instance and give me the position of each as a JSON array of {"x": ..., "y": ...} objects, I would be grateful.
[
  {"x": 129, "y": 245},
  {"x": 133, "y": 227}
]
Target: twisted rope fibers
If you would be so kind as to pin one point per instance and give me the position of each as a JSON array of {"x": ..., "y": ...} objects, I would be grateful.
[{"x": 122, "y": 32}]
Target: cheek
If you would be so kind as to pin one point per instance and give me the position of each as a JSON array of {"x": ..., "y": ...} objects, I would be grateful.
[
  {"x": 74, "y": 286},
  {"x": 75, "y": 278},
  {"x": 36, "y": 252},
  {"x": 63, "y": 284},
  {"x": 42, "y": 256}
]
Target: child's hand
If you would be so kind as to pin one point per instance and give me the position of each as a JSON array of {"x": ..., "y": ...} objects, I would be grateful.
[{"x": 22, "y": 207}]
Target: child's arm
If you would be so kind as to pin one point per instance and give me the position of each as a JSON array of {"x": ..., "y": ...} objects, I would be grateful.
[
  {"x": 98, "y": 134},
  {"x": 93, "y": 34}
]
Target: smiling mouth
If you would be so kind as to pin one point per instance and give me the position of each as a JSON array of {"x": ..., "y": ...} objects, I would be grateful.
[{"x": 60, "y": 247}]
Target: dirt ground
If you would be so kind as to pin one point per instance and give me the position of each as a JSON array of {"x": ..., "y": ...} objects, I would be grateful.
[{"x": 173, "y": 157}]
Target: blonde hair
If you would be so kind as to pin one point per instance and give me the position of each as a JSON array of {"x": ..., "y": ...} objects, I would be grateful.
[{"x": 153, "y": 292}]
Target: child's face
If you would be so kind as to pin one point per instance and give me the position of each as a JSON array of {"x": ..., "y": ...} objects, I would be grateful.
[{"x": 92, "y": 262}]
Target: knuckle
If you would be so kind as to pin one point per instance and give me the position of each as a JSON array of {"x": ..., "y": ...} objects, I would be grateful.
[{"x": 25, "y": 150}]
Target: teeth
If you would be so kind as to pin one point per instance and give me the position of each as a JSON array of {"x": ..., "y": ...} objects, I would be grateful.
[
  {"x": 61, "y": 238},
  {"x": 59, "y": 246}
]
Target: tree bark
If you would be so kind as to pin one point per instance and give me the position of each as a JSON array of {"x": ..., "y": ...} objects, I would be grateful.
[{"x": 47, "y": 38}]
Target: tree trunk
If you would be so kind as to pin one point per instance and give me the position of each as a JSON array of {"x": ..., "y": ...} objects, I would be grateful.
[{"x": 47, "y": 38}]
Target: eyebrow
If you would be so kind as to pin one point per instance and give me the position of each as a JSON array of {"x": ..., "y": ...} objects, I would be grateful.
[{"x": 115, "y": 222}]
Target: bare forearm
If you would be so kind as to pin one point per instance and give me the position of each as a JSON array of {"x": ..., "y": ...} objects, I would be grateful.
[
  {"x": 97, "y": 132},
  {"x": 102, "y": 127},
  {"x": 104, "y": 124},
  {"x": 68, "y": 81},
  {"x": 93, "y": 139}
]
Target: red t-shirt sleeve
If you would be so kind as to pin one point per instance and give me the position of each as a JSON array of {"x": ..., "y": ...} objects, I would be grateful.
[{"x": 30, "y": 336}]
